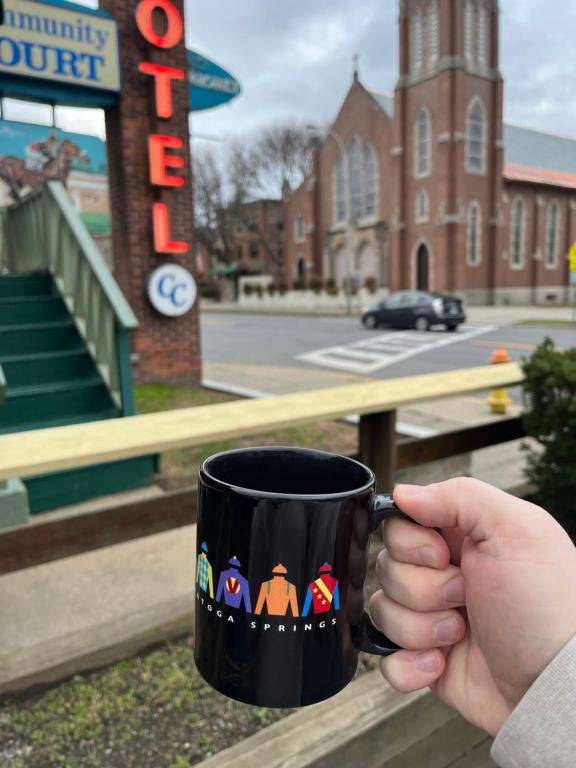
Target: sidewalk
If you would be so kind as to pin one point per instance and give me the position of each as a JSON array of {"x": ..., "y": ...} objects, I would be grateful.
[
  {"x": 504, "y": 315},
  {"x": 84, "y": 611}
]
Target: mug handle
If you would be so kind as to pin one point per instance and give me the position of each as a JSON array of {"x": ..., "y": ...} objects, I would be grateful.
[{"x": 365, "y": 635}]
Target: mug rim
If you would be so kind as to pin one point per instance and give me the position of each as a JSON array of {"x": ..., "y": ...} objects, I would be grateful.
[{"x": 206, "y": 475}]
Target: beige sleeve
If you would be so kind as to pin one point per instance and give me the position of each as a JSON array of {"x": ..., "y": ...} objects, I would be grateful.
[{"x": 541, "y": 731}]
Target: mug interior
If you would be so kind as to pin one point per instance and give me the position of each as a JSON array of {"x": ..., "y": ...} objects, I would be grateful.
[{"x": 288, "y": 472}]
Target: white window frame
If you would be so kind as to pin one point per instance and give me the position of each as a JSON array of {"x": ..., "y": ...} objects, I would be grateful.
[
  {"x": 469, "y": 31},
  {"x": 518, "y": 200},
  {"x": 422, "y": 206},
  {"x": 369, "y": 151},
  {"x": 474, "y": 207},
  {"x": 432, "y": 33},
  {"x": 418, "y": 173},
  {"x": 476, "y": 101},
  {"x": 483, "y": 36},
  {"x": 552, "y": 263}
]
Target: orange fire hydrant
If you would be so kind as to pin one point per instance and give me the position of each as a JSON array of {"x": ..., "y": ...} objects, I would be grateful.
[{"x": 499, "y": 399}]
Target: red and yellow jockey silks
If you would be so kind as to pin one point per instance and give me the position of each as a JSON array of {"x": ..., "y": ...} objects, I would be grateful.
[{"x": 322, "y": 593}]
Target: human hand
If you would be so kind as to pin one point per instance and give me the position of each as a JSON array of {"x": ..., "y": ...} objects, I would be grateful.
[{"x": 482, "y": 607}]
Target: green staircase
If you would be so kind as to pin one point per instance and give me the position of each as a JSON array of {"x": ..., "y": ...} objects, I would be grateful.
[{"x": 51, "y": 381}]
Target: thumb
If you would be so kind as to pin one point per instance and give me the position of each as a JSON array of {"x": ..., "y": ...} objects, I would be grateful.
[{"x": 473, "y": 507}]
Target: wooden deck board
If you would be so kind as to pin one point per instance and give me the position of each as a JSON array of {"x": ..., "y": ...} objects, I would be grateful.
[{"x": 49, "y": 450}]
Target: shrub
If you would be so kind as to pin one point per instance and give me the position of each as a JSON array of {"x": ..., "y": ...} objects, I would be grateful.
[
  {"x": 331, "y": 288},
  {"x": 259, "y": 291},
  {"x": 282, "y": 288},
  {"x": 248, "y": 290},
  {"x": 272, "y": 288},
  {"x": 550, "y": 418},
  {"x": 316, "y": 283},
  {"x": 210, "y": 291},
  {"x": 299, "y": 285},
  {"x": 371, "y": 284}
]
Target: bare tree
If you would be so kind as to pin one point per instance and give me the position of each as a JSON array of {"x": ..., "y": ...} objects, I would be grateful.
[{"x": 281, "y": 153}]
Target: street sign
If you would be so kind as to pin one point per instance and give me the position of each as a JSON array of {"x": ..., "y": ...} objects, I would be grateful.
[
  {"x": 572, "y": 258},
  {"x": 172, "y": 290}
]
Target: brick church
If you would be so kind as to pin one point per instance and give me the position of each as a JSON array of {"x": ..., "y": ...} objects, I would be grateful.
[{"x": 429, "y": 189}]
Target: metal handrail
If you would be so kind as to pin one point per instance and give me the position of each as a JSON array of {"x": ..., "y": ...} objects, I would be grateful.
[{"x": 43, "y": 232}]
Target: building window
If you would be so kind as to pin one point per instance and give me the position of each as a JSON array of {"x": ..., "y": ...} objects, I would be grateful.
[
  {"x": 254, "y": 251},
  {"x": 551, "y": 236},
  {"x": 371, "y": 178},
  {"x": 422, "y": 206},
  {"x": 517, "y": 234},
  {"x": 355, "y": 161},
  {"x": 469, "y": 30},
  {"x": 475, "y": 137},
  {"x": 416, "y": 43},
  {"x": 422, "y": 143},
  {"x": 474, "y": 234},
  {"x": 240, "y": 253},
  {"x": 483, "y": 36},
  {"x": 432, "y": 33},
  {"x": 339, "y": 191},
  {"x": 299, "y": 233}
]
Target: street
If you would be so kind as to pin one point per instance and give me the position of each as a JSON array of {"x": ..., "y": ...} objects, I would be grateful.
[{"x": 316, "y": 346}]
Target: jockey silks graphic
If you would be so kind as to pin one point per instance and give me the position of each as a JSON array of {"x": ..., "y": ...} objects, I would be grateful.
[
  {"x": 322, "y": 593},
  {"x": 233, "y": 587},
  {"x": 276, "y": 597},
  {"x": 204, "y": 572}
]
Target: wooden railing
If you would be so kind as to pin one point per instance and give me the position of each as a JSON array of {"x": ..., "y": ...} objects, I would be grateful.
[
  {"x": 58, "y": 535},
  {"x": 43, "y": 232}
]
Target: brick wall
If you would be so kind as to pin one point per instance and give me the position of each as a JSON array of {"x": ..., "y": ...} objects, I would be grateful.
[{"x": 168, "y": 348}]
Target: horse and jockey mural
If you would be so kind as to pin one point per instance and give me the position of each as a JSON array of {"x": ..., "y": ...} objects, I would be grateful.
[{"x": 32, "y": 154}]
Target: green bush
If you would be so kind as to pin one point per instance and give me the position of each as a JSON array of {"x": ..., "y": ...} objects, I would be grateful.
[{"x": 550, "y": 402}]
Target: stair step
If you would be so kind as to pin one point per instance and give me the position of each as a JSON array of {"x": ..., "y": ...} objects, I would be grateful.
[
  {"x": 49, "y": 422},
  {"x": 38, "y": 337},
  {"x": 48, "y": 367},
  {"x": 47, "y": 492},
  {"x": 52, "y": 387},
  {"x": 26, "y": 285},
  {"x": 31, "y": 309},
  {"x": 64, "y": 404}
]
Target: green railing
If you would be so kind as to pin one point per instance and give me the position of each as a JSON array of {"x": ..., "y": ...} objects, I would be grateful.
[{"x": 43, "y": 232}]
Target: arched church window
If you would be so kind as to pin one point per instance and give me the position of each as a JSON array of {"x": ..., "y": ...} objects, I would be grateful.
[
  {"x": 473, "y": 239},
  {"x": 433, "y": 32},
  {"x": 339, "y": 190},
  {"x": 475, "y": 137},
  {"x": 551, "y": 235},
  {"x": 371, "y": 179},
  {"x": 356, "y": 192},
  {"x": 517, "y": 234},
  {"x": 416, "y": 42},
  {"x": 422, "y": 142}
]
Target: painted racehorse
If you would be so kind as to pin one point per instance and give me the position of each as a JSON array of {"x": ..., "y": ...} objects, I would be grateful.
[{"x": 18, "y": 177}]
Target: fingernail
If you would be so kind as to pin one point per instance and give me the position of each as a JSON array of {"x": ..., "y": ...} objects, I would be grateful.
[
  {"x": 411, "y": 490},
  {"x": 427, "y": 661},
  {"x": 454, "y": 591},
  {"x": 427, "y": 556},
  {"x": 446, "y": 631}
]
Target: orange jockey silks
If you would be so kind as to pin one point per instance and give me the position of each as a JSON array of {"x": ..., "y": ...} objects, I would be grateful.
[{"x": 278, "y": 595}]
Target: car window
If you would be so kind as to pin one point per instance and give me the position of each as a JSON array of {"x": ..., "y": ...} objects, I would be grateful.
[
  {"x": 423, "y": 300},
  {"x": 394, "y": 300},
  {"x": 409, "y": 299}
]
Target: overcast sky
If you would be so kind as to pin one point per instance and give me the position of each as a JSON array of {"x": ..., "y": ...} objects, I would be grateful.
[{"x": 294, "y": 60}]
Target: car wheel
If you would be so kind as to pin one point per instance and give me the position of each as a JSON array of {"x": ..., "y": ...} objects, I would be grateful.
[
  {"x": 451, "y": 328},
  {"x": 370, "y": 322},
  {"x": 422, "y": 323}
]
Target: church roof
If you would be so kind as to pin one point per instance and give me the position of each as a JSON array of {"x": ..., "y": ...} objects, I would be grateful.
[
  {"x": 534, "y": 149},
  {"x": 385, "y": 101}
]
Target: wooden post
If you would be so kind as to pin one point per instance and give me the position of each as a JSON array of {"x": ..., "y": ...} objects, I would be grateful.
[{"x": 377, "y": 440}]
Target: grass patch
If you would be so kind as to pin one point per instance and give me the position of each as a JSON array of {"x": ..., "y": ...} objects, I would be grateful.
[
  {"x": 179, "y": 468},
  {"x": 154, "y": 711}
]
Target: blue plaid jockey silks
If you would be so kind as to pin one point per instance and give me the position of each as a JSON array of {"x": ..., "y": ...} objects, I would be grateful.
[{"x": 204, "y": 575}]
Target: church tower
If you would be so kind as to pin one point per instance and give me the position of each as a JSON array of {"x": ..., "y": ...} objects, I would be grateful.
[{"x": 447, "y": 150}]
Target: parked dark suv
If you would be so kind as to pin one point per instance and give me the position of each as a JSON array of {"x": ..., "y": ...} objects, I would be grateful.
[{"x": 416, "y": 309}]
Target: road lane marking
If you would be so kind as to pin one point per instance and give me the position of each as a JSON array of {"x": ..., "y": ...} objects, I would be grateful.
[{"x": 367, "y": 356}]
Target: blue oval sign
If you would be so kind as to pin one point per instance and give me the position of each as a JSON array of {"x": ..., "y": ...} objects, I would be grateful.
[{"x": 209, "y": 84}]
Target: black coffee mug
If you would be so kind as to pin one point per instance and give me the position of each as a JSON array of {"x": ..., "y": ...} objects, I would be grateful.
[{"x": 282, "y": 555}]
